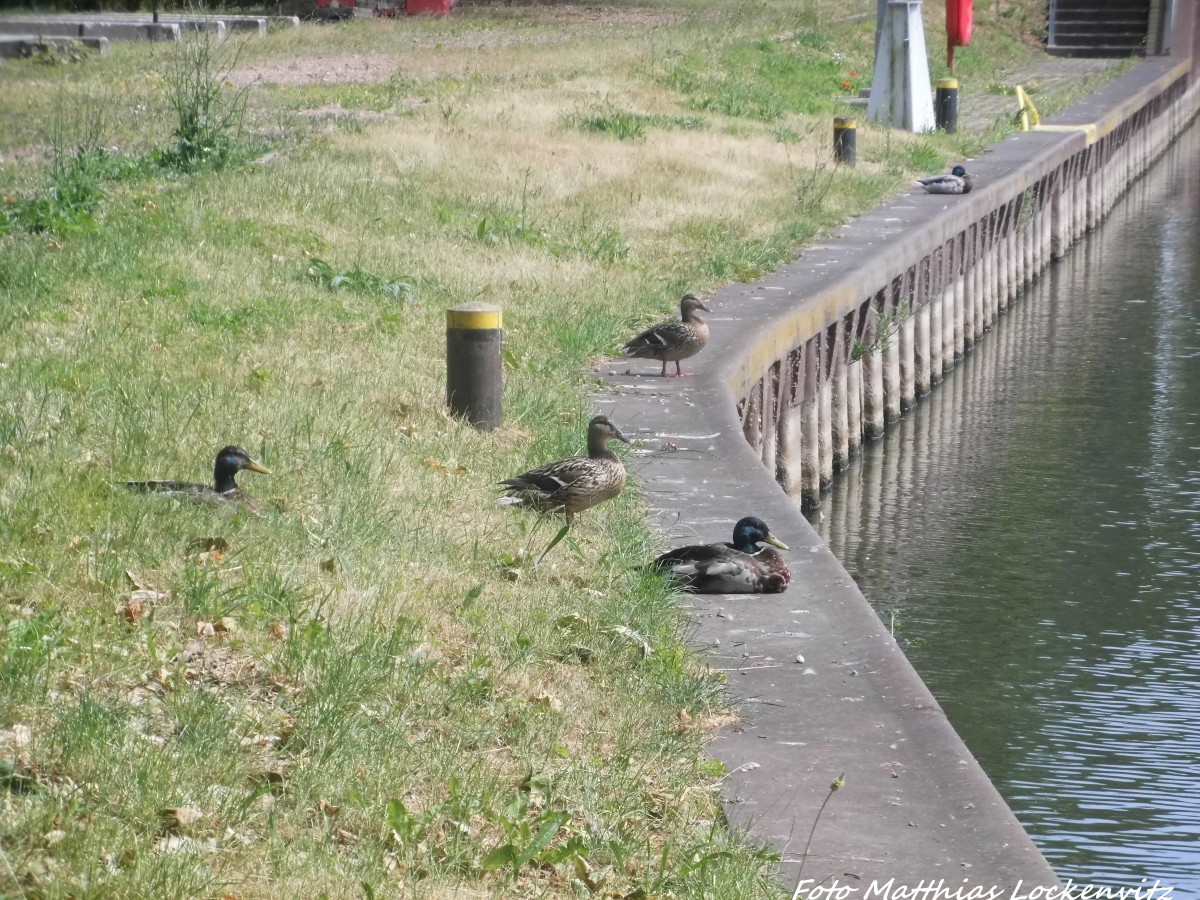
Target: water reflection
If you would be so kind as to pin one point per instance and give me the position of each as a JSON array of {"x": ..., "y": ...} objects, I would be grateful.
[{"x": 1033, "y": 529}]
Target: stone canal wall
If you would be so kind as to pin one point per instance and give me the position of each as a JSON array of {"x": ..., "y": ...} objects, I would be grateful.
[
  {"x": 923, "y": 277},
  {"x": 802, "y": 367}
]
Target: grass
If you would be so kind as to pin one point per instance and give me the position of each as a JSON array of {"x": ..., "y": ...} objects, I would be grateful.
[{"x": 370, "y": 690}]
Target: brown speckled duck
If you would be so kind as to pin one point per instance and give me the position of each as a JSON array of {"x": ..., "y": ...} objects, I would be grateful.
[
  {"x": 577, "y": 482},
  {"x": 224, "y": 488},
  {"x": 674, "y": 340}
]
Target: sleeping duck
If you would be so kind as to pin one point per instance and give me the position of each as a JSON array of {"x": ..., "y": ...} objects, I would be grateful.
[
  {"x": 740, "y": 567},
  {"x": 959, "y": 181}
]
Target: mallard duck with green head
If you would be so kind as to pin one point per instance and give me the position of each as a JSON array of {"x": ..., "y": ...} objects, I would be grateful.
[
  {"x": 577, "y": 482},
  {"x": 674, "y": 340},
  {"x": 740, "y": 567},
  {"x": 224, "y": 487},
  {"x": 959, "y": 181}
]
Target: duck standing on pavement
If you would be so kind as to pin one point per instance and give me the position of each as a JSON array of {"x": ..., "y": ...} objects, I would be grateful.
[{"x": 672, "y": 341}]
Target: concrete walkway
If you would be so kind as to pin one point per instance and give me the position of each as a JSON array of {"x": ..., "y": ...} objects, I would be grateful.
[{"x": 1053, "y": 77}]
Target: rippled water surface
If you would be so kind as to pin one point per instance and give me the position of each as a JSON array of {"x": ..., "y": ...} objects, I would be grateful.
[{"x": 1033, "y": 531}]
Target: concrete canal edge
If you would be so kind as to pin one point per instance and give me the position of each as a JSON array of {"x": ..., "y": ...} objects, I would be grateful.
[{"x": 822, "y": 687}]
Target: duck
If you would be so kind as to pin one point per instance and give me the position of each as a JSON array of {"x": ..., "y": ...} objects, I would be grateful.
[
  {"x": 224, "y": 488},
  {"x": 740, "y": 567},
  {"x": 672, "y": 341},
  {"x": 576, "y": 483},
  {"x": 959, "y": 181}
]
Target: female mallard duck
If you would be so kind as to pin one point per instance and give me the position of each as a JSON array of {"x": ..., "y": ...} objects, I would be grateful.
[
  {"x": 738, "y": 568},
  {"x": 672, "y": 341},
  {"x": 224, "y": 489},
  {"x": 577, "y": 482},
  {"x": 959, "y": 181}
]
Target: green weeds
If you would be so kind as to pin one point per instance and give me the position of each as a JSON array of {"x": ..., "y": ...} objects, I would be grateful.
[
  {"x": 764, "y": 79},
  {"x": 628, "y": 126},
  {"x": 208, "y": 113},
  {"x": 357, "y": 279}
]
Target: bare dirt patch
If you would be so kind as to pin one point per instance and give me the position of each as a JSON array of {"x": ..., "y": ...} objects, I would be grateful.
[{"x": 357, "y": 68}]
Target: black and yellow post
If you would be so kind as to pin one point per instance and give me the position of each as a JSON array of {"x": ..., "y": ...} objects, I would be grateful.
[
  {"x": 475, "y": 365},
  {"x": 845, "y": 140},
  {"x": 945, "y": 105}
]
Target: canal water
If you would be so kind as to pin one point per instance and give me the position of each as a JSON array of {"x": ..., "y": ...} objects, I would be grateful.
[{"x": 1032, "y": 534}]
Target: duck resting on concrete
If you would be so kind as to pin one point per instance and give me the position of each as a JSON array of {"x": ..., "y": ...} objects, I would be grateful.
[
  {"x": 577, "y": 482},
  {"x": 741, "y": 567},
  {"x": 672, "y": 341},
  {"x": 959, "y": 181},
  {"x": 224, "y": 488}
]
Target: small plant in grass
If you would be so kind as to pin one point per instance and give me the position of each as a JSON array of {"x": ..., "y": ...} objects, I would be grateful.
[
  {"x": 836, "y": 786},
  {"x": 80, "y": 167},
  {"x": 528, "y": 840},
  {"x": 357, "y": 279},
  {"x": 208, "y": 114},
  {"x": 628, "y": 126}
]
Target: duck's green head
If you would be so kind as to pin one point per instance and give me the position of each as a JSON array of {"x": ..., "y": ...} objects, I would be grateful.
[
  {"x": 232, "y": 460},
  {"x": 751, "y": 531}
]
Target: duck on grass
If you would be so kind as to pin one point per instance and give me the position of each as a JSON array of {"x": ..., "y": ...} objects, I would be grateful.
[
  {"x": 224, "y": 488},
  {"x": 574, "y": 484}
]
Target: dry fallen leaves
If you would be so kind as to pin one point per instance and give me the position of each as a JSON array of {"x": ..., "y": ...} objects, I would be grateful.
[
  {"x": 180, "y": 818},
  {"x": 210, "y": 550},
  {"x": 451, "y": 468},
  {"x": 131, "y": 610}
]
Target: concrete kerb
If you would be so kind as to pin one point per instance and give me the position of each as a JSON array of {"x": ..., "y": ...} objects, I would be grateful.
[
  {"x": 140, "y": 26},
  {"x": 20, "y": 46},
  {"x": 822, "y": 685},
  {"x": 120, "y": 31},
  {"x": 78, "y": 28}
]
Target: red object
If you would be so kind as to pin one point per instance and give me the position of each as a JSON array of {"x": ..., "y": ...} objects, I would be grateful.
[
  {"x": 437, "y": 7},
  {"x": 960, "y": 16}
]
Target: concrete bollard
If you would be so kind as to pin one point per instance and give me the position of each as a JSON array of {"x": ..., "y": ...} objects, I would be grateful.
[
  {"x": 825, "y": 431},
  {"x": 854, "y": 407},
  {"x": 770, "y": 418},
  {"x": 945, "y": 105},
  {"x": 475, "y": 364},
  {"x": 922, "y": 349},
  {"x": 891, "y": 368},
  {"x": 791, "y": 444},
  {"x": 908, "y": 358},
  {"x": 839, "y": 425},
  {"x": 752, "y": 418},
  {"x": 872, "y": 406},
  {"x": 845, "y": 140}
]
